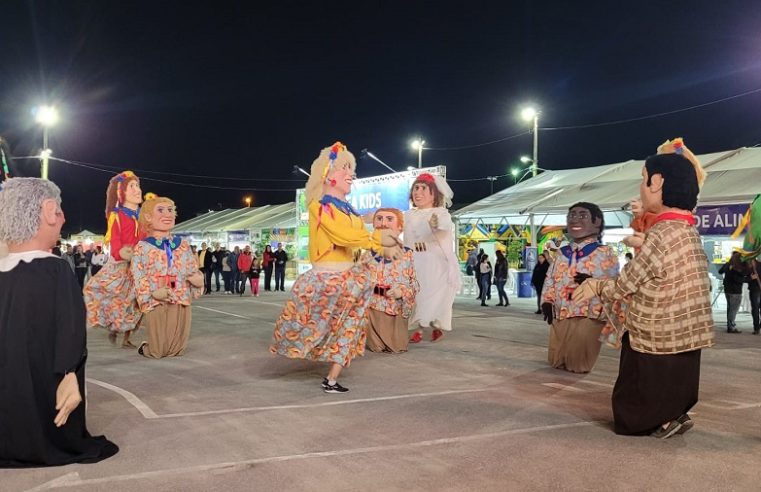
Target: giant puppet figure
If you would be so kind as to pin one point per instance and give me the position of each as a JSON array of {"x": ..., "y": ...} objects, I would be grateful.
[
  {"x": 167, "y": 279},
  {"x": 429, "y": 233},
  {"x": 668, "y": 318},
  {"x": 394, "y": 292},
  {"x": 576, "y": 325},
  {"x": 43, "y": 338},
  {"x": 110, "y": 295},
  {"x": 325, "y": 318}
]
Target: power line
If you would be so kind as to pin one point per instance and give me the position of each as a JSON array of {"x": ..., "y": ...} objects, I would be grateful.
[
  {"x": 465, "y": 147},
  {"x": 650, "y": 116}
]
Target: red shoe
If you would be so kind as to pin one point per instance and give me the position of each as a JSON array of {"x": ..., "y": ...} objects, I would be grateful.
[
  {"x": 436, "y": 335},
  {"x": 416, "y": 337}
]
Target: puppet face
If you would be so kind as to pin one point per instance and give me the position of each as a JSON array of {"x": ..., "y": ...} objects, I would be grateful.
[
  {"x": 163, "y": 217},
  {"x": 133, "y": 194},
  {"x": 386, "y": 219},
  {"x": 343, "y": 177},
  {"x": 422, "y": 196},
  {"x": 581, "y": 225},
  {"x": 652, "y": 195}
]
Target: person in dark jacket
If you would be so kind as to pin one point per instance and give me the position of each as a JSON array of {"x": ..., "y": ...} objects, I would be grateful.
[
  {"x": 538, "y": 276},
  {"x": 735, "y": 274},
  {"x": 268, "y": 263},
  {"x": 281, "y": 258},
  {"x": 754, "y": 287},
  {"x": 484, "y": 268},
  {"x": 500, "y": 278}
]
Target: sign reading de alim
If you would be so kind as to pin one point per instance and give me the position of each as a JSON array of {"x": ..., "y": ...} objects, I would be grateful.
[{"x": 720, "y": 220}]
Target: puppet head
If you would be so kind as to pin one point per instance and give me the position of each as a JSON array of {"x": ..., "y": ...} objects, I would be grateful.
[
  {"x": 123, "y": 191},
  {"x": 332, "y": 172},
  {"x": 389, "y": 218},
  {"x": 157, "y": 215},
  {"x": 429, "y": 191},
  {"x": 585, "y": 221},
  {"x": 668, "y": 180},
  {"x": 676, "y": 146},
  {"x": 31, "y": 210}
]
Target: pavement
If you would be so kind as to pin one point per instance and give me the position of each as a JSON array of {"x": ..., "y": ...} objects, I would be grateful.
[{"x": 478, "y": 410}]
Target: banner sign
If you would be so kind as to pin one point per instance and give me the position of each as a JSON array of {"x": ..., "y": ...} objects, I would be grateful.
[{"x": 719, "y": 220}]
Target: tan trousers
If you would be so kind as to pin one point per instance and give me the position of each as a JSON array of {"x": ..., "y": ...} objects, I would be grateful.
[
  {"x": 574, "y": 344},
  {"x": 168, "y": 330},
  {"x": 386, "y": 333}
]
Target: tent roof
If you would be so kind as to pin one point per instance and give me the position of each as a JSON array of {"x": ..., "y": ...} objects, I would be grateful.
[
  {"x": 264, "y": 217},
  {"x": 732, "y": 177}
]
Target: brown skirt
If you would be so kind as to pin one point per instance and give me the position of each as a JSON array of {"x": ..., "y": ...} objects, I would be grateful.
[
  {"x": 653, "y": 389},
  {"x": 386, "y": 333},
  {"x": 574, "y": 344},
  {"x": 168, "y": 329}
]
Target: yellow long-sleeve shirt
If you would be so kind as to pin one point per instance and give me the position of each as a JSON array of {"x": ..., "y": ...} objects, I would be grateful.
[{"x": 335, "y": 235}]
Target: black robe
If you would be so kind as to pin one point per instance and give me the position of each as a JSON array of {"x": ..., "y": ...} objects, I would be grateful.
[{"x": 42, "y": 337}]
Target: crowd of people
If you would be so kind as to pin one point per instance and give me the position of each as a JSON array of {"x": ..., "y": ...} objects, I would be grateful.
[{"x": 364, "y": 290}]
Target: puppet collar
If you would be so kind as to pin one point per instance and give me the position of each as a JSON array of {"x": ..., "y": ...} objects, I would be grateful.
[{"x": 11, "y": 261}]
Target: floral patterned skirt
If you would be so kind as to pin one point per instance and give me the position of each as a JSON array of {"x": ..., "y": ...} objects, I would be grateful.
[
  {"x": 326, "y": 317},
  {"x": 110, "y": 298}
]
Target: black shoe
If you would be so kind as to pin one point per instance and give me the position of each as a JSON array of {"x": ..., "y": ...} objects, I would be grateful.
[
  {"x": 484, "y": 304},
  {"x": 325, "y": 383},
  {"x": 335, "y": 388},
  {"x": 500, "y": 304},
  {"x": 141, "y": 347},
  {"x": 538, "y": 311},
  {"x": 686, "y": 422},
  {"x": 673, "y": 428},
  {"x": 755, "y": 331},
  {"x": 733, "y": 330}
]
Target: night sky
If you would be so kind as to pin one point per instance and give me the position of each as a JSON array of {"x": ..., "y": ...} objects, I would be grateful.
[{"x": 250, "y": 89}]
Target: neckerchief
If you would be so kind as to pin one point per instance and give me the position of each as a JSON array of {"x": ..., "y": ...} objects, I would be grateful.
[
  {"x": 127, "y": 211},
  {"x": 574, "y": 254},
  {"x": 168, "y": 245},
  {"x": 341, "y": 205},
  {"x": 689, "y": 218}
]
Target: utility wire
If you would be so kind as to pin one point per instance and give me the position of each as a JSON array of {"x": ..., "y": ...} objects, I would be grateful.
[{"x": 465, "y": 147}]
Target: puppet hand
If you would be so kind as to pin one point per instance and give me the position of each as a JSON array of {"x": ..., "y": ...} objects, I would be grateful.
[
  {"x": 547, "y": 312},
  {"x": 161, "y": 294},
  {"x": 389, "y": 239},
  {"x": 635, "y": 241},
  {"x": 434, "y": 221},
  {"x": 586, "y": 291},
  {"x": 395, "y": 293},
  {"x": 196, "y": 280},
  {"x": 393, "y": 253},
  {"x": 67, "y": 398},
  {"x": 126, "y": 253},
  {"x": 579, "y": 278},
  {"x": 636, "y": 205}
]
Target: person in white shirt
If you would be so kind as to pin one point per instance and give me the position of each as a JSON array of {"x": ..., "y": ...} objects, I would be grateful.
[{"x": 97, "y": 261}]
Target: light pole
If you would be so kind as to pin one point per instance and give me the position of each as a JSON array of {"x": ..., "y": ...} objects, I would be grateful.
[
  {"x": 491, "y": 179},
  {"x": 418, "y": 144},
  {"x": 514, "y": 172},
  {"x": 530, "y": 114},
  {"x": 46, "y": 116}
]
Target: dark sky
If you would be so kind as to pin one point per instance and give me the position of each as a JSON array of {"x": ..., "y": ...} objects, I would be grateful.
[{"x": 248, "y": 89}]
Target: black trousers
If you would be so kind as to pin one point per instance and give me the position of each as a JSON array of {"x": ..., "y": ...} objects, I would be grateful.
[
  {"x": 268, "y": 277},
  {"x": 81, "y": 274},
  {"x": 206, "y": 280},
  {"x": 755, "y": 306},
  {"x": 280, "y": 278}
]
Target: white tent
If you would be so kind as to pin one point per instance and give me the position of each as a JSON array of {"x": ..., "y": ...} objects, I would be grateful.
[{"x": 732, "y": 177}]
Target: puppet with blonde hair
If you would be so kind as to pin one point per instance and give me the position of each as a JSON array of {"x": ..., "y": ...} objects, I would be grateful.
[
  {"x": 325, "y": 318},
  {"x": 167, "y": 279},
  {"x": 394, "y": 293},
  {"x": 109, "y": 295},
  {"x": 429, "y": 232}
]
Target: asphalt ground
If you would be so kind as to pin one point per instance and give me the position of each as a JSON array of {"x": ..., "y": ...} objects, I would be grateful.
[{"x": 478, "y": 410}]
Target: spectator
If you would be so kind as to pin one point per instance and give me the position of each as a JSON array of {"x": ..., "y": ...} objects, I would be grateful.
[
  {"x": 244, "y": 267},
  {"x": 254, "y": 272},
  {"x": 268, "y": 263},
  {"x": 57, "y": 248},
  {"x": 629, "y": 257},
  {"x": 216, "y": 263},
  {"x": 538, "y": 276},
  {"x": 484, "y": 269},
  {"x": 500, "y": 278},
  {"x": 754, "y": 291},
  {"x": 68, "y": 256},
  {"x": 227, "y": 271},
  {"x": 98, "y": 260},
  {"x": 735, "y": 274},
  {"x": 234, "y": 271},
  {"x": 281, "y": 258},
  {"x": 205, "y": 257},
  {"x": 477, "y": 272}
]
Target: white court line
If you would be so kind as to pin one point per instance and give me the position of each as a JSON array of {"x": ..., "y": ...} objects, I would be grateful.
[
  {"x": 221, "y": 312},
  {"x": 564, "y": 387},
  {"x": 73, "y": 480},
  {"x": 130, "y": 397},
  {"x": 317, "y": 405}
]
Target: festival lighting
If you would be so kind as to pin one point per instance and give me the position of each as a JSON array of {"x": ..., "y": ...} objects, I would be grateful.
[
  {"x": 248, "y": 201},
  {"x": 418, "y": 144},
  {"x": 46, "y": 116},
  {"x": 531, "y": 114}
]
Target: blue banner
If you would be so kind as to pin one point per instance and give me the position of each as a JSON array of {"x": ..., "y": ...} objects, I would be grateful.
[
  {"x": 393, "y": 193},
  {"x": 721, "y": 220}
]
